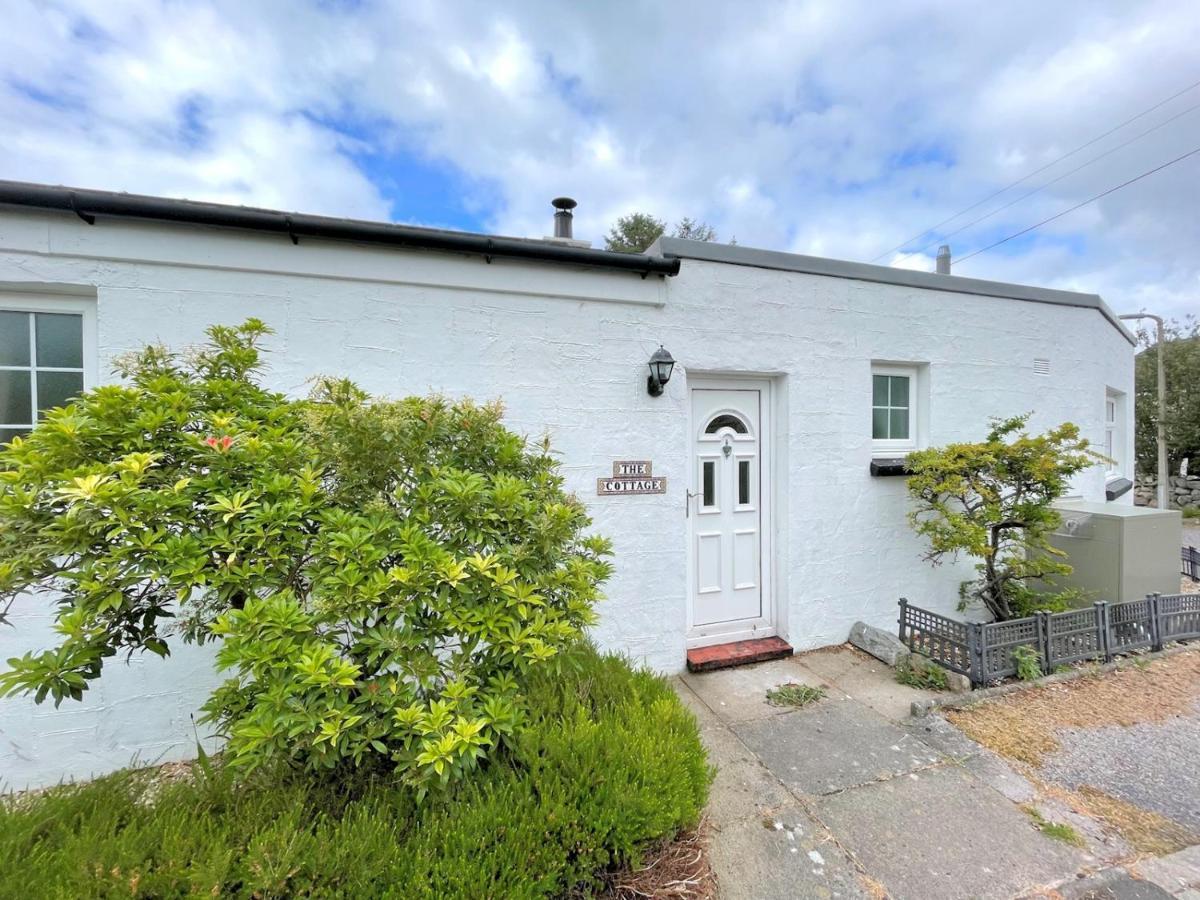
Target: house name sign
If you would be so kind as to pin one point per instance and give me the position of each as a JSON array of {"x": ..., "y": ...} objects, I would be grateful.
[{"x": 631, "y": 476}]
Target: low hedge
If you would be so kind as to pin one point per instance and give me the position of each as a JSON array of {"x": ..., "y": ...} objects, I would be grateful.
[{"x": 610, "y": 762}]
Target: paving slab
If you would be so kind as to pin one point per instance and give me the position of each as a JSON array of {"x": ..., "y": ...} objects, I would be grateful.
[
  {"x": 1114, "y": 884},
  {"x": 1177, "y": 872},
  {"x": 942, "y": 835},
  {"x": 868, "y": 681},
  {"x": 833, "y": 745},
  {"x": 738, "y": 695},
  {"x": 787, "y": 855}
]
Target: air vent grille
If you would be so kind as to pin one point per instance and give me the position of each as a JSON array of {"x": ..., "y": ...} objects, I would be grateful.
[{"x": 1041, "y": 366}]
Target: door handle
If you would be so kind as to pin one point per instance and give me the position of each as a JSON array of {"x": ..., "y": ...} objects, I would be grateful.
[{"x": 687, "y": 503}]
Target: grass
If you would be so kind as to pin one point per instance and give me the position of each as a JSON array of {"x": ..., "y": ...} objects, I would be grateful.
[
  {"x": 792, "y": 694},
  {"x": 1059, "y": 831},
  {"x": 610, "y": 766},
  {"x": 927, "y": 677},
  {"x": 1191, "y": 512}
]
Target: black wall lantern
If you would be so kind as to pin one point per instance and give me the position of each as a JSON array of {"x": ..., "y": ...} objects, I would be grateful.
[{"x": 661, "y": 363}]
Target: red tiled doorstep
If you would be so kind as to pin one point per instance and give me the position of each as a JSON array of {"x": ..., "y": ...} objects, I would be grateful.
[{"x": 737, "y": 653}]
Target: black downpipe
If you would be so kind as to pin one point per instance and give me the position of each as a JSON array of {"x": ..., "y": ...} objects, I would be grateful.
[{"x": 88, "y": 204}]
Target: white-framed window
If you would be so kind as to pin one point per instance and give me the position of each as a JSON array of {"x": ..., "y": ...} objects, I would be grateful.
[
  {"x": 1114, "y": 432},
  {"x": 47, "y": 345},
  {"x": 894, "y": 401}
]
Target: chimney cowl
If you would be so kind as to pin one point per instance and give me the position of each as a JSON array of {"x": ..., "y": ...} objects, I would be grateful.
[
  {"x": 943, "y": 260},
  {"x": 563, "y": 217}
]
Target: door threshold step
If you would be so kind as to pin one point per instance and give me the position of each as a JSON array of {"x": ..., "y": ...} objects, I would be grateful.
[{"x": 737, "y": 653}]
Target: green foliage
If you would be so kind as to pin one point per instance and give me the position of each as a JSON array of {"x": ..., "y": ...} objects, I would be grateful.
[
  {"x": 383, "y": 576},
  {"x": 1181, "y": 361},
  {"x": 1028, "y": 662},
  {"x": 793, "y": 694},
  {"x": 1191, "y": 512},
  {"x": 927, "y": 676},
  {"x": 450, "y": 564},
  {"x": 636, "y": 232},
  {"x": 1059, "y": 831},
  {"x": 189, "y": 484},
  {"x": 992, "y": 500},
  {"x": 611, "y": 760}
]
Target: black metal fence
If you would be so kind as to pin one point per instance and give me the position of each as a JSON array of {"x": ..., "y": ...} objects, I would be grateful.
[
  {"x": 1190, "y": 558},
  {"x": 986, "y": 651}
]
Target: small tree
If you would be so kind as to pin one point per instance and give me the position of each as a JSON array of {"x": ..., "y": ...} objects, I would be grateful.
[
  {"x": 992, "y": 500},
  {"x": 636, "y": 232},
  {"x": 1181, "y": 359},
  {"x": 381, "y": 575}
]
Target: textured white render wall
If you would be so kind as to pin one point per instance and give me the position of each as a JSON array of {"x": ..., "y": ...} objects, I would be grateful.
[{"x": 566, "y": 350}]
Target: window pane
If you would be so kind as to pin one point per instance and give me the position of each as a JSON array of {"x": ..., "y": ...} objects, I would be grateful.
[
  {"x": 14, "y": 399},
  {"x": 14, "y": 339},
  {"x": 726, "y": 420},
  {"x": 743, "y": 481},
  {"x": 899, "y": 390},
  {"x": 879, "y": 424},
  {"x": 56, "y": 388},
  {"x": 59, "y": 341},
  {"x": 879, "y": 390},
  {"x": 899, "y": 423},
  {"x": 7, "y": 434},
  {"x": 710, "y": 484}
]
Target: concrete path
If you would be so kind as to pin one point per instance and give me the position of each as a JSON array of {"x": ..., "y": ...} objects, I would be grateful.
[{"x": 849, "y": 797}]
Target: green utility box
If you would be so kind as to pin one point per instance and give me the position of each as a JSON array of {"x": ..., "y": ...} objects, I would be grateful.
[{"x": 1119, "y": 552}]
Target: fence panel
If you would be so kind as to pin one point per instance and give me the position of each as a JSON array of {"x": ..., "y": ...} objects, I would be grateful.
[
  {"x": 945, "y": 640},
  {"x": 1074, "y": 636},
  {"x": 1130, "y": 626},
  {"x": 1178, "y": 617},
  {"x": 1000, "y": 639},
  {"x": 1190, "y": 558}
]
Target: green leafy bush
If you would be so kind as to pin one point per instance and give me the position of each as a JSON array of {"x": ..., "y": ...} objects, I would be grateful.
[
  {"x": 189, "y": 484},
  {"x": 610, "y": 760},
  {"x": 1028, "y": 662},
  {"x": 383, "y": 575}
]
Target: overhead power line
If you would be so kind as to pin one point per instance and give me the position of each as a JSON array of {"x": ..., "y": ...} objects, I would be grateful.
[
  {"x": 1038, "y": 171},
  {"x": 1072, "y": 209},
  {"x": 1055, "y": 180}
]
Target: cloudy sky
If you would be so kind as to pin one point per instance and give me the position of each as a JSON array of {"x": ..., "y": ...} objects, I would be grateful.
[{"x": 833, "y": 128}]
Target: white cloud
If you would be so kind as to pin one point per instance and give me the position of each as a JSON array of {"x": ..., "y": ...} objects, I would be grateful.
[{"x": 822, "y": 127}]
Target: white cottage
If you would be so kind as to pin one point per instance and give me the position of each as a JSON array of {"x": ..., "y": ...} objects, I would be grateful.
[{"x": 750, "y": 496}]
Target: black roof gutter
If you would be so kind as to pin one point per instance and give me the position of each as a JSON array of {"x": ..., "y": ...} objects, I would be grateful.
[{"x": 89, "y": 205}]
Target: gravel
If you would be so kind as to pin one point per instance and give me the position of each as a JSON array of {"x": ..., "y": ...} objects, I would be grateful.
[{"x": 1151, "y": 764}]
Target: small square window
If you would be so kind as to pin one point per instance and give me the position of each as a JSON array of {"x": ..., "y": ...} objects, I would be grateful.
[{"x": 894, "y": 392}]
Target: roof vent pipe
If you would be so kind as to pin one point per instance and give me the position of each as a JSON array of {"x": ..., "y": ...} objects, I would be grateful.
[
  {"x": 943, "y": 260},
  {"x": 563, "y": 217}
]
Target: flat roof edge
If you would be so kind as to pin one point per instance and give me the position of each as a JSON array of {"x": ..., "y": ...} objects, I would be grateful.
[
  {"x": 91, "y": 204},
  {"x": 732, "y": 254}
]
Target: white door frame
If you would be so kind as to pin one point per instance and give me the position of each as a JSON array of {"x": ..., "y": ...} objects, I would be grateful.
[{"x": 765, "y": 625}]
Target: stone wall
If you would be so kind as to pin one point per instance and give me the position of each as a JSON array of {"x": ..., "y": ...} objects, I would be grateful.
[{"x": 1184, "y": 491}]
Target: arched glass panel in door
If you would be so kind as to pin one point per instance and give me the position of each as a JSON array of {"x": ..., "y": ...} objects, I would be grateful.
[{"x": 726, "y": 420}]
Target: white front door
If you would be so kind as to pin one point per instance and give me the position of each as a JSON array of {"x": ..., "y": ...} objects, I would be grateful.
[{"x": 726, "y": 509}]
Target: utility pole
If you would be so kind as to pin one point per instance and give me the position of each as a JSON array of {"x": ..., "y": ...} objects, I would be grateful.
[{"x": 1164, "y": 477}]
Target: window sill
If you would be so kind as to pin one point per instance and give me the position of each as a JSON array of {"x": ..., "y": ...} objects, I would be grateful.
[{"x": 884, "y": 467}]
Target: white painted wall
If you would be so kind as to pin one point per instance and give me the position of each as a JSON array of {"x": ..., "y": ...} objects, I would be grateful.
[{"x": 566, "y": 349}]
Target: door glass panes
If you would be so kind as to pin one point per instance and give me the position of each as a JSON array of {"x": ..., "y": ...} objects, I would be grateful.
[
  {"x": 709, "y": 484},
  {"x": 41, "y": 366},
  {"x": 743, "y": 481},
  {"x": 890, "y": 407},
  {"x": 725, "y": 420}
]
